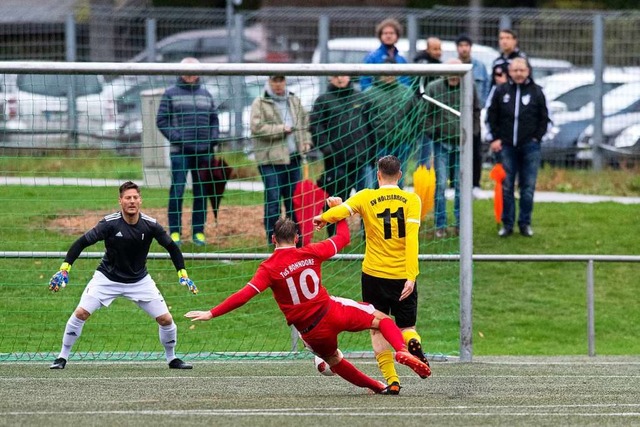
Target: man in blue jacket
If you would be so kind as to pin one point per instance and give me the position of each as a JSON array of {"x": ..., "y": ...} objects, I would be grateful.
[
  {"x": 388, "y": 32},
  {"x": 188, "y": 118}
]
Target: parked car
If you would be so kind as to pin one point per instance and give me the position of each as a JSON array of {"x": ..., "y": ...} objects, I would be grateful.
[
  {"x": 545, "y": 67},
  {"x": 625, "y": 147},
  {"x": 211, "y": 46},
  {"x": 615, "y": 150},
  {"x": 560, "y": 145},
  {"x": 572, "y": 91},
  {"x": 38, "y": 104}
]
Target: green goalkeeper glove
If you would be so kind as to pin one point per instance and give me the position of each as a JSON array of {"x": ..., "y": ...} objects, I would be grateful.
[
  {"x": 61, "y": 278},
  {"x": 183, "y": 279}
]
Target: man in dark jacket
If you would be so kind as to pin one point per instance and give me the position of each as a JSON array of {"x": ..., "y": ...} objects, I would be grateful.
[
  {"x": 188, "y": 118},
  {"x": 509, "y": 50},
  {"x": 517, "y": 121},
  {"x": 340, "y": 129}
]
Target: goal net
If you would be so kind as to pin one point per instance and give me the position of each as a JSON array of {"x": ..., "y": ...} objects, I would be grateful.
[{"x": 71, "y": 133}]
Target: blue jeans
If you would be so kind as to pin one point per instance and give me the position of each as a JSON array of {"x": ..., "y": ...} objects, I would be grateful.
[
  {"x": 279, "y": 182},
  {"x": 425, "y": 147},
  {"x": 181, "y": 164},
  {"x": 523, "y": 162},
  {"x": 444, "y": 155}
]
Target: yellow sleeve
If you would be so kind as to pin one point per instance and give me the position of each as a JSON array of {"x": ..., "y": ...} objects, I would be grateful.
[
  {"x": 345, "y": 210},
  {"x": 412, "y": 245}
]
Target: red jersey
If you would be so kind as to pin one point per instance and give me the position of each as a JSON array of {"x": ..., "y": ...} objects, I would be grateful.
[{"x": 295, "y": 278}]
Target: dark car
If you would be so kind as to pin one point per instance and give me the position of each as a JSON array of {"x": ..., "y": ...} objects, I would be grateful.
[{"x": 560, "y": 146}]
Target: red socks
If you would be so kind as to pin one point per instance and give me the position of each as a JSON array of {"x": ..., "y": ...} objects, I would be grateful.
[
  {"x": 391, "y": 333},
  {"x": 356, "y": 377}
]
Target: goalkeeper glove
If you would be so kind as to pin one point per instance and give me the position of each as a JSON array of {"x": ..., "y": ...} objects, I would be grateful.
[
  {"x": 61, "y": 278},
  {"x": 183, "y": 279}
]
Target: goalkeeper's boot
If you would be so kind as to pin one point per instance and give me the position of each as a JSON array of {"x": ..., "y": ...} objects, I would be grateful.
[
  {"x": 179, "y": 364},
  {"x": 59, "y": 363},
  {"x": 176, "y": 238},
  {"x": 415, "y": 348},
  {"x": 199, "y": 239},
  {"x": 392, "y": 389},
  {"x": 408, "y": 359}
]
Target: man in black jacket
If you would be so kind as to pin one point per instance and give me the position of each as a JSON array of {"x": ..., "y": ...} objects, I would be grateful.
[
  {"x": 517, "y": 121},
  {"x": 340, "y": 129},
  {"x": 509, "y": 50}
]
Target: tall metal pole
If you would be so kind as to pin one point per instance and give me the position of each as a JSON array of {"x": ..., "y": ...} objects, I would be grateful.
[
  {"x": 151, "y": 36},
  {"x": 466, "y": 218},
  {"x": 71, "y": 49},
  {"x": 229, "y": 21},
  {"x": 598, "y": 89}
]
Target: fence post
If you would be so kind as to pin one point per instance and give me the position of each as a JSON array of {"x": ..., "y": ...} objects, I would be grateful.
[
  {"x": 150, "y": 35},
  {"x": 70, "y": 56},
  {"x": 237, "y": 82},
  {"x": 412, "y": 35},
  {"x": 505, "y": 22},
  {"x": 598, "y": 90},
  {"x": 591, "y": 327}
]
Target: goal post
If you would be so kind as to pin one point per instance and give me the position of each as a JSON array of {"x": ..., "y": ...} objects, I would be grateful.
[{"x": 62, "y": 175}]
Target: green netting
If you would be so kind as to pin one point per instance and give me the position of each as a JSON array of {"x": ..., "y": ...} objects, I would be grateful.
[{"x": 64, "y": 170}]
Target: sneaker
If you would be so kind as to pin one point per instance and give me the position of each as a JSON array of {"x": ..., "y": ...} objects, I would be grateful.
[
  {"x": 441, "y": 233},
  {"x": 526, "y": 231},
  {"x": 392, "y": 389},
  {"x": 415, "y": 348},
  {"x": 59, "y": 363},
  {"x": 176, "y": 238},
  {"x": 179, "y": 364},
  {"x": 505, "y": 232},
  {"x": 199, "y": 239},
  {"x": 416, "y": 365}
]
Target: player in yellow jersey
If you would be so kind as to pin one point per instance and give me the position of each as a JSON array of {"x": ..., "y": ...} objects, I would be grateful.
[{"x": 391, "y": 219}]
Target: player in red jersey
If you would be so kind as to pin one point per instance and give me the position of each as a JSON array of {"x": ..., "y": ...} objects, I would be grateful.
[{"x": 294, "y": 276}]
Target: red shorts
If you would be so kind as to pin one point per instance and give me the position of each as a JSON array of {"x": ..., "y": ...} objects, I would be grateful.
[{"x": 343, "y": 315}]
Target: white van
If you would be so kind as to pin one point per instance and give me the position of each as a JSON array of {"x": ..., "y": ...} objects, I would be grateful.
[{"x": 353, "y": 50}]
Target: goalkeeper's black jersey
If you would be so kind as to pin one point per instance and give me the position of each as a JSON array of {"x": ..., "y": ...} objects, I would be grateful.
[{"x": 127, "y": 246}]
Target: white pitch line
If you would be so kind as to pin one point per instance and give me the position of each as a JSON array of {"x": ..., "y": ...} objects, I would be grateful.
[{"x": 304, "y": 413}]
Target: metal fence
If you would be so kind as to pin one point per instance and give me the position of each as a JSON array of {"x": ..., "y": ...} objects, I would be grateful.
[
  {"x": 106, "y": 34},
  {"x": 586, "y": 39}
]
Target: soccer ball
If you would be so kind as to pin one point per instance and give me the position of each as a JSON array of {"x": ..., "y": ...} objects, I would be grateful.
[{"x": 323, "y": 367}]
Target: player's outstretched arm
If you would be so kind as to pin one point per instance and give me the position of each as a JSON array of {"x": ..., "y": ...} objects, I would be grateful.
[
  {"x": 232, "y": 302},
  {"x": 318, "y": 222}
]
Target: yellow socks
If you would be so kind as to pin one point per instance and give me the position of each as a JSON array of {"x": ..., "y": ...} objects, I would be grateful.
[
  {"x": 387, "y": 367},
  {"x": 409, "y": 334}
]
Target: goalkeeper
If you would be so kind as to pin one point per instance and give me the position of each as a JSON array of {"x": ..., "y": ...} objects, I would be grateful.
[{"x": 127, "y": 236}]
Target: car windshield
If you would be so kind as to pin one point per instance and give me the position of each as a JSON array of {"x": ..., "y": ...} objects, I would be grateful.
[
  {"x": 580, "y": 96},
  {"x": 58, "y": 85}
]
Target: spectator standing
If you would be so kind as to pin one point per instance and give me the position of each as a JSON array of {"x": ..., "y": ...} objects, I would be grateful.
[
  {"x": 518, "y": 119},
  {"x": 294, "y": 276},
  {"x": 509, "y": 50},
  {"x": 483, "y": 86},
  {"x": 388, "y": 32},
  {"x": 391, "y": 219},
  {"x": 188, "y": 118},
  {"x": 341, "y": 131},
  {"x": 444, "y": 127},
  {"x": 280, "y": 131},
  {"x": 431, "y": 55},
  {"x": 127, "y": 237}
]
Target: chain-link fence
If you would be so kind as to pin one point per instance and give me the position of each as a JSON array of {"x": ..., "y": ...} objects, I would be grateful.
[{"x": 555, "y": 41}]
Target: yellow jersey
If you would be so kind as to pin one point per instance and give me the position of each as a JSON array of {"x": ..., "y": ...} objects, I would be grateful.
[{"x": 391, "y": 219}]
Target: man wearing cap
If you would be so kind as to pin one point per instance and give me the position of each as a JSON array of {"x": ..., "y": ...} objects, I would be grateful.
[{"x": 280, "y": 131}]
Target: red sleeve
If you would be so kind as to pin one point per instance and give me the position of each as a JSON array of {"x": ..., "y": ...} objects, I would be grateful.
[
  {"x": 343, "y": 236},
  {"x": 234, "y": 301},
  {"x": 329, "y": 247}
]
